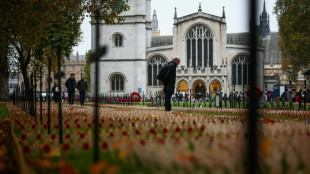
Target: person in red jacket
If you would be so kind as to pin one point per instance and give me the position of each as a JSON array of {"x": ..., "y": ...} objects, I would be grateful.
[{"x": 298, "y": 99}]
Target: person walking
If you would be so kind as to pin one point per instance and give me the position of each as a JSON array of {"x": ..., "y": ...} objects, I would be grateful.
[
  {"x": 82, "y": 87},
  {"x": 71, "y": 85},
  {"x": 168, "y": 76},
  {"x": 56, "y": 92}
]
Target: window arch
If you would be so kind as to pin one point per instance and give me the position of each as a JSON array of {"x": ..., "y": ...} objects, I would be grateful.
[
  {"x": 240, "y": 70},
  {"x": 118, "y": 40},
  {"x": 199, "y": 46},
  {"x": 155, "y": 64},
  {"x": 117, "y": 82}
]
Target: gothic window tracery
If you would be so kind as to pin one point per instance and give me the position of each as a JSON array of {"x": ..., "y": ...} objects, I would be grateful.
[
  {"x": 155, "y": 64},
  {"x": 199, "y": 46},
  {"x": 240, "y": 70},
  {"x": 117, "y": 82}
]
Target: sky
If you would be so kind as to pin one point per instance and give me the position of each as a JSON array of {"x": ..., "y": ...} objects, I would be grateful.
[{"x": 236, "y": 11}]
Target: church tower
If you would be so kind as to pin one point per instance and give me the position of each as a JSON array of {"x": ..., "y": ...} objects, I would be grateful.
[
  {"x": 155, "y": 31},
  {"x": 264, "y": 27},
  {"x": 123, "y": 68}
]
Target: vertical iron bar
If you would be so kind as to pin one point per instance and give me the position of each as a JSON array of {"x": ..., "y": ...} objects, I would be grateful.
[
  {"x": 41, "y": 98},
  {"x": 96, "y": 140},
  {"x": 49, "y": 97},
  {"x": 252, "y": 129},
  {"x": 59, "y": 94},
  {"x": 35, "y": 97},
  {"x": 305, "y": 95}
]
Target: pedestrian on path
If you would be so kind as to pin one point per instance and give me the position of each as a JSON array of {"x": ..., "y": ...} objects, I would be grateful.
[
  {"x": 168, "y": 76},
  {"x": 82, "y": 87},
  {"x": 71, "y": 85}
]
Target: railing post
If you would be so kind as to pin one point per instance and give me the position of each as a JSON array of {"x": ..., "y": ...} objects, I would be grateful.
[{"x": 59, "y": 95}]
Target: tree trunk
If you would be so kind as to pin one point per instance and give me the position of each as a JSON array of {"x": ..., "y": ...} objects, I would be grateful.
[{"x": 4, "y": 74}]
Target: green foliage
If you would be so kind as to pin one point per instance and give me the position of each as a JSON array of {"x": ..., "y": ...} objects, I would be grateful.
[
  {"x": 294, "y": 30},
  {"x": 32, "y": 30},
  {"x": 87, "y": 69},
  {"x": 3, "y": 111}
]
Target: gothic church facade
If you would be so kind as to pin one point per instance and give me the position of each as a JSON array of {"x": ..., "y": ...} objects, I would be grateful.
[{"x": 211, "y": 59}]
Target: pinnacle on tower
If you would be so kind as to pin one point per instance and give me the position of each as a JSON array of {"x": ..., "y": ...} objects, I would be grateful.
[
  {"x": 199, "y": 7},
  {"x": 223, "y": 15},
  {"x": 154, "y": 15},
  {"x": 175, "y": 13},
  {"x": 264, "y": 10},
  {"x": 77, "y": 56}
]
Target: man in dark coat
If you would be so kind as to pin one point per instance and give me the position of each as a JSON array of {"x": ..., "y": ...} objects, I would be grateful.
[
  {"x": 169, "y": 81},
  {"x": 82, "y": 87},
  {"x": 71, "y": 85}
]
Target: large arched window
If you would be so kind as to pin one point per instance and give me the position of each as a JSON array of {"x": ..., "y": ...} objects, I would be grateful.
[
  {"x": 117, "y": 82},
  {"x": 155, "y": 64},
  {"x": 240, "y": 70},
  {"x": 118, "y": 40},
  {"x": 199, "y": 46}
]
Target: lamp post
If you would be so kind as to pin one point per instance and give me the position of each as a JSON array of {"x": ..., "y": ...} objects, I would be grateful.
[
  {"x": 290, "y": 89},
  {"x": 306, "y": 75}
]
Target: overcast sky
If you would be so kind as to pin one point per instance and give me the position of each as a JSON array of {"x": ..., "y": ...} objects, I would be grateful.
[{"x": 236, "y": 16}]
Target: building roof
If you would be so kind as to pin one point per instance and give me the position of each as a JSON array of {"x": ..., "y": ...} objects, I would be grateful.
[
  {"x": 238, "y": 38},
  {"x": 73, "y": 58},
  {"x": 271, "y": 46},
  {"x": 157, "y": 41}
]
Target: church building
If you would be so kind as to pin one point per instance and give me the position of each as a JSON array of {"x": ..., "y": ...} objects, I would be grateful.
[{"x": 211, "y": 59}]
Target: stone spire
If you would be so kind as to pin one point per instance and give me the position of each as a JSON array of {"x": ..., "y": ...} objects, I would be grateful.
[
  {"x": 264, "y": 26},
  {"x": 175, "y": 13},
  {"x": 199, "y": 7},
  {"x": 77, "y": 56},
  {"x": 154, "y": 15},
  {"x": 223, "y": 15}
]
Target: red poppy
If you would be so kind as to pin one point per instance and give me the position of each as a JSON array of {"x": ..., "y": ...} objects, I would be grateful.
[
  {"x": 161, "y": 141},
  {"x": 137, "y": 132},
  {"x": 111, "y": 125},
  {"x": 165, "y": 130},
  {"x": 89, "y": 125},
  {"x": 152, "y": 131},
  {"x": 33, "y": 126},
  {"x": 78, "y": 126},
  {"x": 46, "y": 148},
  {"x": 142, "y": 142},
  {"x": 190, "y": 130},
  {"x": 23, "y": 137},
  {"x": 124, "y": 133},
  {"x": 67, "y": 126},
  {"x": 56, "y": 126},
  {"x": 82, "y": 135},
  {"x": 53, "y": 136},
  {"x": 133, "y": 124},
  {"x": 21, "y": 127},
  {"x": 66, "y": 147},
  {"x": 38, "y": 136},
  {"x": 104, "y": 145},
  {"x": 26, "y": 149},
  {"x": 111, "y": 134},
  {"x": 222, "y": 121},
  {"x": 85, "y": 146},
  {"x": 202, "y": 128},
  {"x": 100, "y": 125},
  {"x": 67, "y": 136},
  {"x": 177, "y": 129}
]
